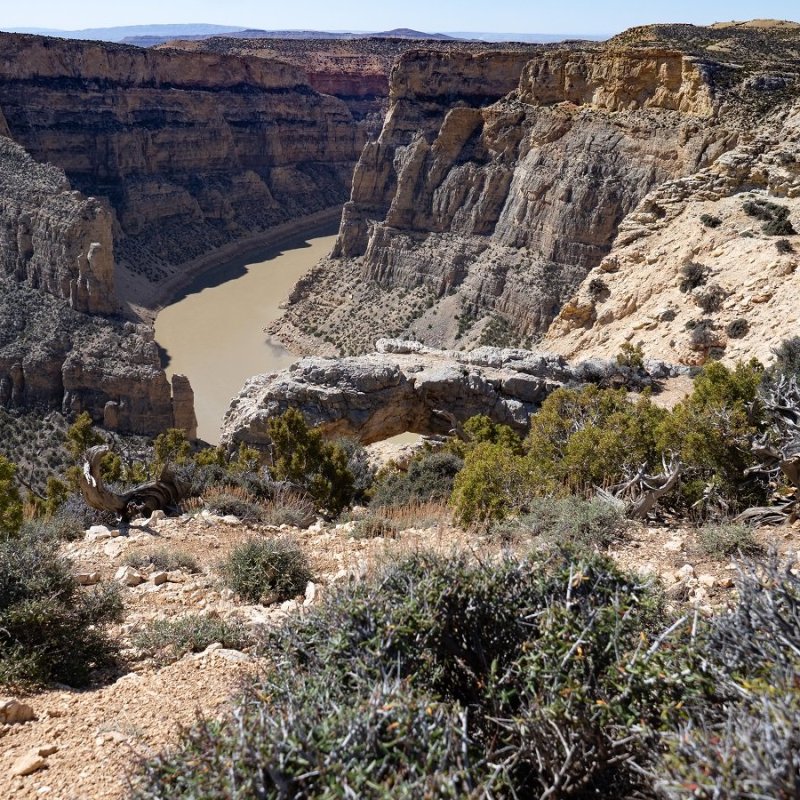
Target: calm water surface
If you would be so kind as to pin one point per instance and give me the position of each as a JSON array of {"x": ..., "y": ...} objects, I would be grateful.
[{"x": 215, "y": 332}]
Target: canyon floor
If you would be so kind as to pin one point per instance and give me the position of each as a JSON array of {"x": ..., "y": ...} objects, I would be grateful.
[{"x": 94, "y": 738}]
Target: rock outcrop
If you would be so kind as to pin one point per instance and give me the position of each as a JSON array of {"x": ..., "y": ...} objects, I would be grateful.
[
  {"x": 694, "y": 274},
  {"x": 54, "y": 357},
  {"x": 406, "y": 386},
  {"x": 497, "y": 183},
  {"x": 53, "y": 238}
]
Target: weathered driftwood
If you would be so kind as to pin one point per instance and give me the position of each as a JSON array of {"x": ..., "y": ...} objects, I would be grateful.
[
  {"x": 637, "y": 496},
  {"x": 778, "y": 451},
  {"x": 142, "y": 500}
]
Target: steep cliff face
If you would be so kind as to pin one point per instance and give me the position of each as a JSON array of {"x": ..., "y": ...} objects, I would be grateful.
[
  {"x": 698, "y": 270},
  {"x": 193, "y": 151},
  {"x": 53, "y": 238},
  {"x": 498, "y": 181}
]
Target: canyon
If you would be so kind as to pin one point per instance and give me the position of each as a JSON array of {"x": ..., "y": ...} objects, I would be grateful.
[
  {"x": 122, "y": 171},
  {"x": 543, "y": 197}
]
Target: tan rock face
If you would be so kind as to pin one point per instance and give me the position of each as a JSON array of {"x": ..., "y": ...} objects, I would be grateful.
[
  {"x": 193, "y": 150},
  {"x": 618, "y": 81},
  {"x": 700, "y": 223},
  {"x": 499, "y": 181}
]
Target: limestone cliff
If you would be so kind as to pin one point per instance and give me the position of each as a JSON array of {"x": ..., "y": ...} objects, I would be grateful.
[
  {"x": 53, "y": 238},
  {"x": 405, "y": 386},
  {"x": 498, "y": 181},
  {"x": 698, "y": 271},
  {"x": 192, "y": 150}
]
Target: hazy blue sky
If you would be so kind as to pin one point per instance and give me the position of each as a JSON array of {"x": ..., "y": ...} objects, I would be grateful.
[{"x": 523, "y": 16}]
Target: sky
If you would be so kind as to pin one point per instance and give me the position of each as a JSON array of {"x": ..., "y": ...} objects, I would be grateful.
[{"x": 520, "y": 16}]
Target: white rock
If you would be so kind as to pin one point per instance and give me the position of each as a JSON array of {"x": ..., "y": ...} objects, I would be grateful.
[
  {"x": 311, "y": 593},
  {"x": 28, "y": 764},
  {"x": 114, "y": 548},
  {"x": 685, "y": 572},
  {"x": 156, "y": 516},
  {"x": 97, "y": 532},
  {"x": 673, "y": 546},
  {"x": 706, "y": 580},
  {"x": 159, "y": 578},
  {"x": 230, "y": 519},
  {"x": 13, "y": 711},
  {"x": 128, "y": 576},
  {"x": 231, "y": 655},
  {"x": 87, "y": 578}
]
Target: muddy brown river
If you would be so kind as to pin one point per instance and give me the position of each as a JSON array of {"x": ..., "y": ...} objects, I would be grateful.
[{"x": 214, "y": 332}]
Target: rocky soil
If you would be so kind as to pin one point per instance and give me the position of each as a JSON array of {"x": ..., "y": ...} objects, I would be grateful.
[{"x": 86, "y": 744}]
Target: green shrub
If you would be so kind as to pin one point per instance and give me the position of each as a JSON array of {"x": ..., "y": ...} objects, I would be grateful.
[
  {"x": 170, "y": 448},
  {"x": 566, "y": 522},
  {"x": 10, "y": 500},
  {"x": 266, "y": 570},
  {"x": 429, "y": 477},
  {"x": 50, "y": 629},
  {"x": 710, "y": 221},
  {"x": 168, "y": 640},
  {"x": 712, "y": 430},
  {"x": 445, "y": 679},
  {"x": 630, "y": 356},
  {"x": 301, "y": 455},
  {"x": 358, "y": 463},
  {"x": 164, "y": 559},
  {"x": 723, "y": 541},
  {"x": 288, "y": 508},
  {"x": 493, "y": 484},
  {"x": 581, "y": 438}
]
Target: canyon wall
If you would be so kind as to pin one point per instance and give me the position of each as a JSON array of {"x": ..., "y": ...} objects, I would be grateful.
[
  {"x": 498, "y": 181},
  {"x": 118, "y": 168},
  {"x": 191, "y": 150}
]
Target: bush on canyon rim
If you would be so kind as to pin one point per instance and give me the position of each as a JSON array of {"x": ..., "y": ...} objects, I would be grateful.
[
  {"x": 50, "y": 628},
  {"x": 583, "y": 438},
  {"x": 444, "y": 678},
  {"x": 301, "y": 455}
]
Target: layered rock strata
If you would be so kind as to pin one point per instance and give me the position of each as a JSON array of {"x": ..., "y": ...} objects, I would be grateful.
[
  {"x": 54, "y": 357},
  {"x": 498, "y": 181},
  {"x": 696, "y": 271},
  {"x": 192, "y": 150},
  {"x": 405, "y": 386}
]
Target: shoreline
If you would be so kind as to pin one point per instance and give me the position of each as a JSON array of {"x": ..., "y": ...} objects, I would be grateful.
[{"x": 158, "y": 296}]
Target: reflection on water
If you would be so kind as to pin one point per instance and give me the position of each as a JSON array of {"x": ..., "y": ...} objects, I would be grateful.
[{"x": 214, "y": 332}]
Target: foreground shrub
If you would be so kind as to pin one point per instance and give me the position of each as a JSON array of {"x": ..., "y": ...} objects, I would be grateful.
[
  {"x": 566, "y": 522},
  {"x": 374, "y": 526},
  {"x": 50, "y": 628},
  {"x": 445, "y": 679},
  {"x": 749, "y": 745},
  {"x": 238, "y": 503},
  {"x": 266, "y": 570},
  {"x": 164, "y": 559},
  {"x": 723, "y": 541},
  {"x": 167, "y": 640},
  {"x": 429, "y": 478}
]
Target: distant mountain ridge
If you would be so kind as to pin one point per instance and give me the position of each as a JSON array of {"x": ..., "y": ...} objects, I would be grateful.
[{"x": 152, "y": 35}]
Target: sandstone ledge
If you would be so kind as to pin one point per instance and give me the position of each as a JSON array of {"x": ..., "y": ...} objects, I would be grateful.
[{"x": 405, "y": 386}]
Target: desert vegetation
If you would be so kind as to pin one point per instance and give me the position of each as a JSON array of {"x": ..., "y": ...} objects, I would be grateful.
[{"x": 533, "y": 666}]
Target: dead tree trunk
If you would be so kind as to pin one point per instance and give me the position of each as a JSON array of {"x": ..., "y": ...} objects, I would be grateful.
[
  {"x": 778, "y": 451},
  {"x": 142, "y": 500},
  {"x": 638, "y": 495}
]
